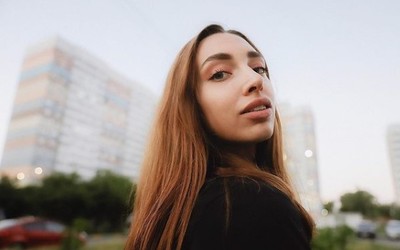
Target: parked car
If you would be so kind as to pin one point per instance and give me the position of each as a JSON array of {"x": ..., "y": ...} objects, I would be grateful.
[
  {"x": 392, "y": 229},
  {"x": 31, "y": 232},
  {"x": 366, "y": 229}
]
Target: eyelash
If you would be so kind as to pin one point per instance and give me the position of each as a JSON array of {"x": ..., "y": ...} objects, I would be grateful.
[
  {"x": 263, "y": 69},
  {"x": 212, "y": 77},
  {"x": 256, "y": 69}
]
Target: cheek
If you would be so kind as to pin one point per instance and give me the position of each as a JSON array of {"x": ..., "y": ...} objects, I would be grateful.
[
  {"x": 213, "y": 112},
  {"x": 216, "y": 107}
]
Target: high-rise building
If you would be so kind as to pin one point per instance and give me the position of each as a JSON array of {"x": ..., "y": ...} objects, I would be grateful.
[
  {"x": 72, "y": 113},
  {"x": 300, "y": 155},
  {"x": 393, "y": 142}
]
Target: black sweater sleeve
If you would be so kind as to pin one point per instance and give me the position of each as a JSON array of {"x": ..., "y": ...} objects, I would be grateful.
[{"x": 260, "y": 217}]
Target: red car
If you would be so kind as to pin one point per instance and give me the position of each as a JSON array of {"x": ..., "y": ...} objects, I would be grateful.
[{"x": 31, "y": 231}]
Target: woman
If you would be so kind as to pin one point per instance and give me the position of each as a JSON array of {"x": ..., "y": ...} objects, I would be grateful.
[{"x": 213, "y": 176}]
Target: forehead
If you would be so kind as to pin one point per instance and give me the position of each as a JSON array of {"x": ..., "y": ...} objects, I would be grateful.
[{"x": 222, "y": 43}]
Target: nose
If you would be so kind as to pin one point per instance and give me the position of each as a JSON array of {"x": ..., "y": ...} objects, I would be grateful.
[{"x": 253, "y": 84}]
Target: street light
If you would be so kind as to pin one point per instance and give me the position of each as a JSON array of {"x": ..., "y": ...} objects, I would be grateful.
[
  {"x": 308, "y": 153},
  {"x": 324, "y": 212},
  {"x": 20, "y": 176},
  {"x": 38, "y": 170}
]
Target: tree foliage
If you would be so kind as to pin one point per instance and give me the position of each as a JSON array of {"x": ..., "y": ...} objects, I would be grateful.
[
  {"x": 99, "y": 204},
  {"x": 13, "y": 201},
  {"x": 63, "y": 196},
  {"x": 332, "y": 238},
  {"x": 111, "y": 193},
  {"x": 359, "y": 201},
  {"x": 329, "y": 206}
]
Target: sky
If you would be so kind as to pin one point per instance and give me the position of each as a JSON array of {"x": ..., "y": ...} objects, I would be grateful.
[{"x": 340, "y": 57}]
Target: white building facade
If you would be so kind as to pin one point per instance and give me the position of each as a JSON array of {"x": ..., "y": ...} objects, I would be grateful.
[
  {"x": 72, "y": 113},
  {"x": 301, "y": 155},
  {"x": 393, "y": 143}
]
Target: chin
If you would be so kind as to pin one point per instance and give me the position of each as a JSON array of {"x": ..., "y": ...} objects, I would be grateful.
[
  {"x": 260, "y": 137},
  {"x": 264, "y": 138},
  {"x": 264, "y": 135}
]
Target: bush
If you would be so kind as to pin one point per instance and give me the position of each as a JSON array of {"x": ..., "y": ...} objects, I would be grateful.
[
  {"x": 332, "y": 238},
  {"x": 97, "y": 205}
]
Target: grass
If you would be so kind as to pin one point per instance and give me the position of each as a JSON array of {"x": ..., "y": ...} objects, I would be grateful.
[
  {"x": 104, "y": 242},
  {"x": 368, "y": 245},
  {"x": 116, "y": 242},
  {"x": 112, "y": 243}
]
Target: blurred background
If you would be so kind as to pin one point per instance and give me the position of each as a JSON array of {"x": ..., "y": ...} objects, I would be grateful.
[{"x": 80, "y": 82}]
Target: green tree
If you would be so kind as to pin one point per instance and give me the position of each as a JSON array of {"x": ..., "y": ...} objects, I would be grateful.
[
  {"x": 100, "y": 204},
  {"x": 109, "y": 200},
  {"x": 394, "y": 212},
  {"x": 11, "y": 198},
  {"x": 359, "y": 201},
  {"x": 384, "y": 210},
  {"x": 63, "y": 197},
  {"x": 332, "y": 238},
  {"x": 329, "y": 206}
]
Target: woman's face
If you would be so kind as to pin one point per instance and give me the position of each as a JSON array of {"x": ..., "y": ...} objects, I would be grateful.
[{"x": 235, "y": 93}]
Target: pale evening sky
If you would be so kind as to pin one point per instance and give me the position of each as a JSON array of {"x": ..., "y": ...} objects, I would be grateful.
[{"x": 341, "y": 58}]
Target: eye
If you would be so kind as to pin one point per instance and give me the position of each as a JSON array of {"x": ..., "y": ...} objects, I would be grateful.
[
  {"x": 219, "y": 76},
  {"x": 260, "y": 70}
]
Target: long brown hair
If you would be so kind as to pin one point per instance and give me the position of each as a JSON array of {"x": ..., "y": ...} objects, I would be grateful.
[{"x": 182, "y": 151}]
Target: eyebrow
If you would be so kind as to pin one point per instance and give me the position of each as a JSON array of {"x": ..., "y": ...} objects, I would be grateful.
[
  {"x": 219, "y": 56},
  {"x": 225, "y": 56},
  {"x": 254, "y": 54}
]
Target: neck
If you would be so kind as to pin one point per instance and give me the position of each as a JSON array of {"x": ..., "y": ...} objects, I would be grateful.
[{"x": 245, "y": 151}]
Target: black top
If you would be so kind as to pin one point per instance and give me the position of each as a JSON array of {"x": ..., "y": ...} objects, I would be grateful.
[{"x": 261, "y": 217}]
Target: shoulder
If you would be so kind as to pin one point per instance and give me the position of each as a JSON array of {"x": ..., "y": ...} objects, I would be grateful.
[
  {"x": 241, "y": 200},
  {"x": 254, "y": 199},
  {"x": 244, "y": 191},
  {"x": 246, "y": 212}
]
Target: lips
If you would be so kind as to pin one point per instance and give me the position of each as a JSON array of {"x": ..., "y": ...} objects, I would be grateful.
[{"x": 257, "y": 105}]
